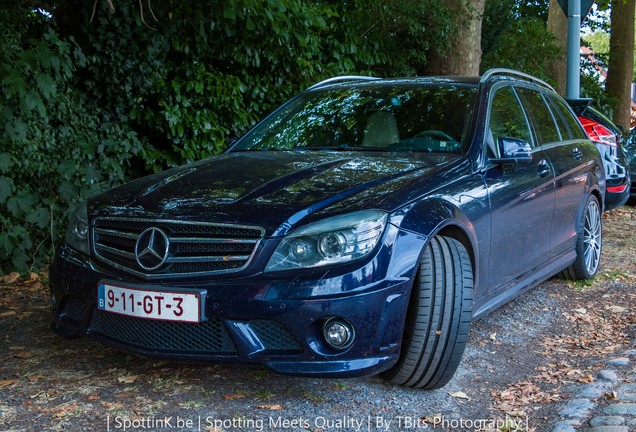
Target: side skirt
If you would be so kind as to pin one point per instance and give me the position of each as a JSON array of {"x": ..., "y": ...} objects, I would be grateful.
[{"x": 523, "y": 283}]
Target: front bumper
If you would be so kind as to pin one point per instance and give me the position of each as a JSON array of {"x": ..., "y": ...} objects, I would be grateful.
[{"x": 270, "y": 320}]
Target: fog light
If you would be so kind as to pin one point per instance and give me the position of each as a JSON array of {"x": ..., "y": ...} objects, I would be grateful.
[{"x": 338, "y": 334}]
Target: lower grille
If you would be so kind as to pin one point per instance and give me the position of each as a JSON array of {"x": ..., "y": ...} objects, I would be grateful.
[
  {"x": 74, "y": 309},
  {"x": 207, "y": 337},
  {"x": 274, "y": 336}
]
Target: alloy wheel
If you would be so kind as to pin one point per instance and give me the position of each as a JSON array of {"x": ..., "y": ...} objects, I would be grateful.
[{"x": 592, "y": 238}]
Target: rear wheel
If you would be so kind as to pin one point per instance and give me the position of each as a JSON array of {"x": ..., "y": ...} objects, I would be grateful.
[
  {"x": 438, "y": 319},
  {"x": 589, "y": 243}
]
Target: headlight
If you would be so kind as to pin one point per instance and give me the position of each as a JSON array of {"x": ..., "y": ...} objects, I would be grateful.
[
  {"x": 77, "y": 231},
  {"x": 335, "y": 240}
]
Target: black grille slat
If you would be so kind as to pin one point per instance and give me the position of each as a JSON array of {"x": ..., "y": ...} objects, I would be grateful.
[
  {"x": 180, "y": 228},
  {"x": 117, "y": 242},
  {"x": 274, "y": 336},
  {"x": 119, "y": 259},
  {"x": 207, "y": 337},
  {"x": 212, "y": 231},
  {"x": 199, "y": 267},
  {"x": 195, "y": 249}
]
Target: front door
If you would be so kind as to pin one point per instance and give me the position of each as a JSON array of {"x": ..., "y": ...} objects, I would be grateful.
[{"x": 521, "y": 195}]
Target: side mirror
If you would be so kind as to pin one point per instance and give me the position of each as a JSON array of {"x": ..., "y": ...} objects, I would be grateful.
[{"x": 513, "y": 150}]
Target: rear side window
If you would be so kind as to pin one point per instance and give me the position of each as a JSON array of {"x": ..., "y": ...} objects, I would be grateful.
[
  {"x": 541, "y": 115},
  {"x": 573, "y": 123},
  {"x": 563, "y": 128},
  {"x": 507, "y": 120}
]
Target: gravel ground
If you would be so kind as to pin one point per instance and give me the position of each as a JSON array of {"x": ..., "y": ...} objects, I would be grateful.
[{"x": 522, "y": 366}]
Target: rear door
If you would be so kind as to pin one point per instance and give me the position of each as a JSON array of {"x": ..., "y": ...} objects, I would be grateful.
[{"x": 564, "y": 141}]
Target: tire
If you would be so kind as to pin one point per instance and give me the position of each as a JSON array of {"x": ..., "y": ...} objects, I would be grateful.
[
  {"x": 438, "y": 317},
  {"x": 589, "y": 243}
]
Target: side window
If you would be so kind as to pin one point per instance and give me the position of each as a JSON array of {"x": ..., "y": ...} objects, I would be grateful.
[
  {"x": 542, "y": 117},
  {"x": 561, "y": 125},
  {"x": 507, "y": 119},
  {"x": 575, "y": 127}
]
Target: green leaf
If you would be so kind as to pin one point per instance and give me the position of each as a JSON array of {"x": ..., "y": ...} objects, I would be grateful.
[
  {"x": 6, "y": 188},
  {"x": 16, "y": 130},
  {"x": 68, "y": 191},
  {"x": 46, "y": 84},
  {"x": 6, "y": 162},
  {"x": 21, "y": 204},
  {"x": 33, "y": 101},
  {"x": 229, "y": 13},
  {"x": 39, "y": 217}
]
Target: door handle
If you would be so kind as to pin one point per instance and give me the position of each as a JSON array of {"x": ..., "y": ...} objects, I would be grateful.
[
  {"x": 543, "y": 168},
  {"x": 577, "y": 153}
]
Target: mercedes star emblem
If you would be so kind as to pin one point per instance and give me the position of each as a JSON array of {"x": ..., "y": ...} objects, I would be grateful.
[{"x": 151, "y": 249}]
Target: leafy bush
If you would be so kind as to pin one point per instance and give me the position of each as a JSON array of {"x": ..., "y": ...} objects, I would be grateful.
[{"x": 56, "y": 149}]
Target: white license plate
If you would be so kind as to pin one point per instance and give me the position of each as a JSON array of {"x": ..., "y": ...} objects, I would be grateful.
[{"x": 157, "y": 305}]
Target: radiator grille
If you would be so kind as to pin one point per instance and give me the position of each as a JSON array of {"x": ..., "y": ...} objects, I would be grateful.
[{"x": 192, "y": 248}]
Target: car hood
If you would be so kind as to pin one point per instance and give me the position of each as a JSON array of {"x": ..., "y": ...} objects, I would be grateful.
[{"x": 268, "y": 188}]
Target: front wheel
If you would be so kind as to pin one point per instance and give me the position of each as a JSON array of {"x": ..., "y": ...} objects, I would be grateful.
[
  {"x": 589, "y": 242},
  {"x": 438, "y": 318}
]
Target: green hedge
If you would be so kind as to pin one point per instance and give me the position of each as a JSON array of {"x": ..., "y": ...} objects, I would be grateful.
[
  {"x": 86, "y": 105},
  {"x": 56, "y": 146}
]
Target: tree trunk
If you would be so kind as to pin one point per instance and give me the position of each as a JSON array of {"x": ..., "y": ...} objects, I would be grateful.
[
  {"x": 464, "y": 55},
  {"x": 621, "y": 60},
  {"x": 558, "y": 26}
]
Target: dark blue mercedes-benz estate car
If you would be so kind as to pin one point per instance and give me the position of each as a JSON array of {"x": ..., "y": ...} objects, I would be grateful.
[{"x": 358, "y": 229}]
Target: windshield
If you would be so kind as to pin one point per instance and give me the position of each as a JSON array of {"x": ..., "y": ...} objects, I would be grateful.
[{"x": 426, "y": 118}]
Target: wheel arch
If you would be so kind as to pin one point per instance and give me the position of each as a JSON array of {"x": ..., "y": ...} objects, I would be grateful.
[
  {"x": 439, "y": 217},
  {"x": 599, "y": 197}
]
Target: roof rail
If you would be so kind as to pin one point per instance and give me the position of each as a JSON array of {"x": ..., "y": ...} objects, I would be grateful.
[
  {"x": 502, "y": 71},
  {"x": 342, "y": 79}
]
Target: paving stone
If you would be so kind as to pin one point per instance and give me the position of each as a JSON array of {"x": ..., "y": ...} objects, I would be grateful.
[
  {"x": 610, "y": 429},
  {"x": 577, "y": 408},
  {"x": 608, "y": 375},
  {"x": 628, "y": 388},
  {"x": 621, "y": 409},
  {"x": 627, "y": 397},
  {"x": 565, "y": 426},
  {"x": 592, "y": 391},
  {"x": 622, "y": 361},
  {"x": 607, "y": 421},
  {"x": 631, "y": 352}
]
